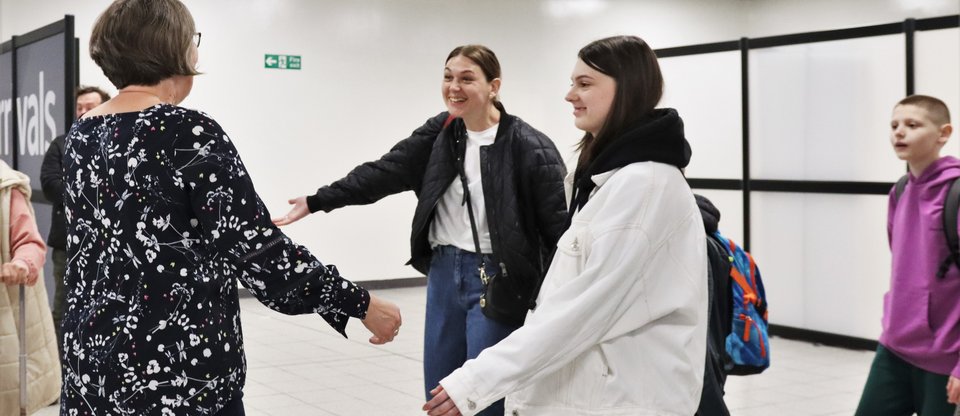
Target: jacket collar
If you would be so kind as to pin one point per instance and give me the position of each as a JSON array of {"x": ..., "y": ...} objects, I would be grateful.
[
  {"x": 601, "y": 178},
  {"x": 657, "y": 138}
]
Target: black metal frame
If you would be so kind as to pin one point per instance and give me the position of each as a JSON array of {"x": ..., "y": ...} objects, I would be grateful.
[
  {"x": 14, "y": 93},
  {"x": 747, "y": 184},
  {"x": 71, "y": 78},
  {"x": 71, "y": 49},
  {"x": 817, "y": 337}
]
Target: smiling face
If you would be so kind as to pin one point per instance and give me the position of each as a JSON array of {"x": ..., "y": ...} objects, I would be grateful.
[
  {"x": 466, "y": 91},
  {"x": 915, "y": 137},
  {"x": 592, "y": 95}
]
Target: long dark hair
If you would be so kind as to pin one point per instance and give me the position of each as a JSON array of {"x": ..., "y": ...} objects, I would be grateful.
[{"x": 634, "y": 67}]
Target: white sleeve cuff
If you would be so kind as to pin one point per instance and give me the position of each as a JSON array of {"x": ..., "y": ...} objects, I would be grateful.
[{"x": 464, "y": 396}]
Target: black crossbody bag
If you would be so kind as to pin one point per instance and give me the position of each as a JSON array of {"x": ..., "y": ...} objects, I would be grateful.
[{"x": 501, "y": 300}]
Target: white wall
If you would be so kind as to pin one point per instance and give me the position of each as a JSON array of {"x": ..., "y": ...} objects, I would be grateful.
[{"x": 371, "y": 75}]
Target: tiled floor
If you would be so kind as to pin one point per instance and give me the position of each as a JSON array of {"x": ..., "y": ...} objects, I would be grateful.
[{"x": 297, "y": 365}]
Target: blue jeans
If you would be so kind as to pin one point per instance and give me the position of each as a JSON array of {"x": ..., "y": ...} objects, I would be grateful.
[{"x": 456, "y": 329}]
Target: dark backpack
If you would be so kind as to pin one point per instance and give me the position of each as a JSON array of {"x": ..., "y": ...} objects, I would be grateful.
[
  {"x": 950, "y": 207},
  {"x": 726, "y": 328},
  {"x": 747, "y": 343},
  {"x": 718, "y": 326}
]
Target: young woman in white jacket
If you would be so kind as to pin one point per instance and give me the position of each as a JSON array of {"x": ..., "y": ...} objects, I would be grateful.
[{"x": 620, "y": 326}]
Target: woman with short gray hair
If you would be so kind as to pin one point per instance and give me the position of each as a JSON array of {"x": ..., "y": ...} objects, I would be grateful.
[{"x": 162, "y": 220}]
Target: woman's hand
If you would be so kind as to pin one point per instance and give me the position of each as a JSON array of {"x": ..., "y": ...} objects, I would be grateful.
[
  {"x": 441, "y": 404},
  {"x": 383, "y": 320},
  {"x": 16, "y": 273},
  {"x": 298, "y": 211},
  {"x": 953, "y": 390}
]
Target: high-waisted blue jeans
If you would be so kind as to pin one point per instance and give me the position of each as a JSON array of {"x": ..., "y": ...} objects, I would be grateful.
[{"x": 456, "y": 329}]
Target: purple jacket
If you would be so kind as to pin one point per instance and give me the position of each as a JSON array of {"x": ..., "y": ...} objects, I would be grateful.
[{"x": 921, "y": 314}]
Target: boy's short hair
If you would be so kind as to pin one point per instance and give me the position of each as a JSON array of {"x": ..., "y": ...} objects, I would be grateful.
[
  {"x": 142, "y": 42},
  {"x": 938, "y": 111}
]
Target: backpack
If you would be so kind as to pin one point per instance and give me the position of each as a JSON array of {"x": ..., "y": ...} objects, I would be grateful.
[
  {"x": 950, "y": 207},
  {"x": 747, "y": 344}
]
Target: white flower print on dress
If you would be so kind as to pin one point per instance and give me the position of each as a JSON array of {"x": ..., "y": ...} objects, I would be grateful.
[{"x": 164, "y": 187}]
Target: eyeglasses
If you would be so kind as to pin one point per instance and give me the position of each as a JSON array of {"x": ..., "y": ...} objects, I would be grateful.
[{"x": 198, "y": 35}]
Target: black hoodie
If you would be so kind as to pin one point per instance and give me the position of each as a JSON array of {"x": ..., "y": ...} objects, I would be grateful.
[
  {"x": 657, "y": 138},
  {"x": 710, "y": 214},
  {"x": 720, "y": 319}
]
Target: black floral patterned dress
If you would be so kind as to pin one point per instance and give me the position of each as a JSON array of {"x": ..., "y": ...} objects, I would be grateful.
[{"x": 162, "y": 221}]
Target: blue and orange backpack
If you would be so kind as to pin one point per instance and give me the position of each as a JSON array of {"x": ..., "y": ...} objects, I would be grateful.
[{"x": 747, "y": 346}]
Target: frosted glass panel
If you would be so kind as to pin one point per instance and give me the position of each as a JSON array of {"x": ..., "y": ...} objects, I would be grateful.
[
  {"x": 824, "y": 260},
  {"x": 937, "y": 73},
  {"x": 820, "y": 111},
  {"x": 705, "y": 90},
  {"x": 730, "y": 204}
]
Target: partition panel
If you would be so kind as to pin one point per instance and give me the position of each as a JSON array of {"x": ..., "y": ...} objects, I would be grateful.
[
  {"x": 705, "y": 90},
  {"x": 811, "y": 198},
  {"x": 824, "y": 259},
  {"x": 820, "y": 111},
  {"x": 937, "y": 72},
  {"x": 730, "y": 204},
  {"x": 41, "y": 101}
]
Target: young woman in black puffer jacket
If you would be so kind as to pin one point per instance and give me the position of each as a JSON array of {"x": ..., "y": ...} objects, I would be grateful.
[{"x": 514, "y": 176}]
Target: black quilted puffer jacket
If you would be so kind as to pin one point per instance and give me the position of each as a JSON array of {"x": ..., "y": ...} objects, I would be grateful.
[{"x": 522, "y": 175}]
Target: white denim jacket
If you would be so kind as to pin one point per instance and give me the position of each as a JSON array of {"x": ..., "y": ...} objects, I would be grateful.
[{"x": 621, "y": 322}]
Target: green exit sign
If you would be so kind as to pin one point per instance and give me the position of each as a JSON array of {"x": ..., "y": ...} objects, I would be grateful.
[{"x": 281, "y": 61}]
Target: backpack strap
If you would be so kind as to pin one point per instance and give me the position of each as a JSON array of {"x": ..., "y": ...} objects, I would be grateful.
[
  {"x": 448, "y": 120},
  {"x": 749, "y": 290},
  {"x": 950, "y": 207},
  {"x": 899, "y": 187}
]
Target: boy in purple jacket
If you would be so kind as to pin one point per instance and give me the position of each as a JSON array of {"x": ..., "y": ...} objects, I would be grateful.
[{"x": 917, "y": 366}]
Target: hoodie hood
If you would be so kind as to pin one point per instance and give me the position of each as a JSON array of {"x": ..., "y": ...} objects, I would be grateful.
[
  {"x": 945, "y": 169},
  {"x": 709, "y": 212},
  {"x": 658, "y": 138}
]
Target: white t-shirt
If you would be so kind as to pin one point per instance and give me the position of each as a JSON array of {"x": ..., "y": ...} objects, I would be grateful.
[{"x": 451, "y": 224}]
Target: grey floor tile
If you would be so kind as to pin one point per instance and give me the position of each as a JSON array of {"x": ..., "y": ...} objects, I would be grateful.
[{"x": 297, "y": 365}]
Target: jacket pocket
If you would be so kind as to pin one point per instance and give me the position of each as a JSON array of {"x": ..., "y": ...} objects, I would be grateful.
[
  {"x": 582, "y": 381},
  {"x": 571, "y": 256}
]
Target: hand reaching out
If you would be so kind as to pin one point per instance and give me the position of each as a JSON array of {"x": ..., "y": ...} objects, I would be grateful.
[
  {"x": 441, "y": 404},
  {"x": 298, "y": 211},
  {"x": 16, "y": 272},
  {"x": 383, "y": 320}
]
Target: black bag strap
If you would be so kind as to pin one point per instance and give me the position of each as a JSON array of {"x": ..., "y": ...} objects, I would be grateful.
[
  {"x": 899, "y": 187},
  {"x": 950, "y": 207},
  {"x": 461, "y": 171},
  {"x": 460, "y": 149},
  {"x": 473, "y": 221}
]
